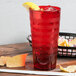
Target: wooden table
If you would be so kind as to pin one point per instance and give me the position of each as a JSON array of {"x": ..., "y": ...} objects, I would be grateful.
[{"x": 20, "y": 48}]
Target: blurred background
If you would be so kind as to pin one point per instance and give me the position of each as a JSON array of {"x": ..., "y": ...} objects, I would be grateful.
[{"x": 14, "y": 19}]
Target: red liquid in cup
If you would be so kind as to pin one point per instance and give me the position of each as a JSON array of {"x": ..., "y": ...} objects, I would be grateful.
[{"x": 45, "y": 32}]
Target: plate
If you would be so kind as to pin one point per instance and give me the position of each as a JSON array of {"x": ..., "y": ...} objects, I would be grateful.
[{"x": 29, "y": 69}]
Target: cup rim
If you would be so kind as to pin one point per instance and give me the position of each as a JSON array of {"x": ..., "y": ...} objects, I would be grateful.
[{"x": 56, "y": 7}]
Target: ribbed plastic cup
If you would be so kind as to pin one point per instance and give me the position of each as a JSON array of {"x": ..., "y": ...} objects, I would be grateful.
[{"x": 45, "y": 31}]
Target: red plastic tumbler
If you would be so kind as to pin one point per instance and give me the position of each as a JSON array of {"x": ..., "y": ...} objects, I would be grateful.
[{"x": 45, "y": 31}]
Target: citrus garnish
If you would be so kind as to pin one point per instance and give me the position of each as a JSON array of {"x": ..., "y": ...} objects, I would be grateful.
[
  {"x": 31, "y": 5},
  {"x": 69, "y": 69},
  {"x": 63, "y": 69}
]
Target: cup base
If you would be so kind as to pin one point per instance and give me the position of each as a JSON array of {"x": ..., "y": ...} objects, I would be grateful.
[{"x": 45, "y": 69}]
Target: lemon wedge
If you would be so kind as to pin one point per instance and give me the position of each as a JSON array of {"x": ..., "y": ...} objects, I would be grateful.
[
  {"x": 63, "y": 69},
  {"x": 69, "y": 69},
  {"x": 31, "y": 5}
]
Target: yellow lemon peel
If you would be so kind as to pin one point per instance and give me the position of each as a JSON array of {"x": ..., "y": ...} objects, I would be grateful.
[
  {"x": 69, "y": 69},
  {"x": 31, "y": 5}
]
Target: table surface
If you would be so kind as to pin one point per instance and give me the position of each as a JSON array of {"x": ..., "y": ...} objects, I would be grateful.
[{"x": 20, "y": 48}]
